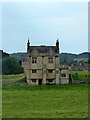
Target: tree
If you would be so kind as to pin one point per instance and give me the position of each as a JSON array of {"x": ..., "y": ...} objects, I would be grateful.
[{"x": 10, "y": 66}]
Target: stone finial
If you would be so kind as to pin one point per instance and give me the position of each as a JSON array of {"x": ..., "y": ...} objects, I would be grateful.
[
  {"x": 57, "y": 44},
  {"x": 28, "y": 41},
  {"x": 28, "y": 45}
]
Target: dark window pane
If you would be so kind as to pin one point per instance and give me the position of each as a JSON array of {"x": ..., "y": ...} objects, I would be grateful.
[
  {"x": 50, "y": 60},
  {"x": 63, "y": 75},
  {"x": 34, "y": 71},
  {"x": 50, "y": 71},
  {"x": 33, "y": 80},
  {"x": 34, "y": 60}
]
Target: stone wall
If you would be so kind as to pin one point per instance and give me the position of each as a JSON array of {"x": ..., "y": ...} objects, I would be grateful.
[{"x": 46, "y": 68}]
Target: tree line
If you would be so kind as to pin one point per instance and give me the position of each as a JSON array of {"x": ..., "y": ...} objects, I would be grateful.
[{"x": 9, "y": 65}]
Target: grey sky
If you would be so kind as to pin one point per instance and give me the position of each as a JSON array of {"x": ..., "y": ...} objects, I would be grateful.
[{"x": 43, "y": 23}]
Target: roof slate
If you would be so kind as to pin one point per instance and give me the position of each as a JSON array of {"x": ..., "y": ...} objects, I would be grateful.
[{"x": 43, "y": 49}]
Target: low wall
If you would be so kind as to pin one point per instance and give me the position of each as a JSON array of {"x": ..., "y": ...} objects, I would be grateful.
[{"x": 64, "y": 80}]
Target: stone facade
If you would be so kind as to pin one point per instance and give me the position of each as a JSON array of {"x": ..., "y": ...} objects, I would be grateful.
[{"x": 42, "y": 65}]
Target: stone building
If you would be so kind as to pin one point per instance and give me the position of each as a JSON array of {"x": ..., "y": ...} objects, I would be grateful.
[{"x": 42, "y": 65}]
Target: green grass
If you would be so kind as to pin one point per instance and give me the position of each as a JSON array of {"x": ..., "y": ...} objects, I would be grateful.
[
  {"x": 13, "y": 78},
  {"x": 81, "y": 75},
  {"x": 54, "y": 101}
]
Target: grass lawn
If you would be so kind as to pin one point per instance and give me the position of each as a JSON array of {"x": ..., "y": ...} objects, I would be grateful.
[
  {"x": 13, "y": 78},
  {"x": 52, "y": 101},
  {"x": 80, "y": 75}
]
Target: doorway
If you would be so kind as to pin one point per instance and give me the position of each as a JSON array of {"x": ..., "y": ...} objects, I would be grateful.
[{"x": 40, "y": 82}]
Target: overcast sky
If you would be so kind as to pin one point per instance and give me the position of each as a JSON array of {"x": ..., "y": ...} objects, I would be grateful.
[{"x": 44, "y": 23}]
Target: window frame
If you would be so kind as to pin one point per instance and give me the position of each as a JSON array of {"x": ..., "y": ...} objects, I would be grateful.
[
  {"x": 50, "y": 71},
  {"x": 63, "y": 75},
  {"x": 34, "y": 71},
  {"x": 33, "y": 80},
  {"x": 50, "y": 59},
  {"x": 34, "y": 60}
]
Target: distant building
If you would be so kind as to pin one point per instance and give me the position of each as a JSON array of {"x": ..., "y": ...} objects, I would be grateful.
[
  {"x": 42, "y": 65},
  {"x": 85, "y": 67},
  {"x": 81, "y": 59}
]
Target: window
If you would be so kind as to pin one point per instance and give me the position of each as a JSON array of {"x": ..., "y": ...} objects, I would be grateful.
[
  {"x": 33, "y": 80},
  {"x": 50, "y": 71},
  {"x": 63, "y": 75},
  {"x": 50, "y": 60},
  {"x": 34, "y": 60},
  {"x": 50, "y": 80},
  {"x": 34, "y": 71}
]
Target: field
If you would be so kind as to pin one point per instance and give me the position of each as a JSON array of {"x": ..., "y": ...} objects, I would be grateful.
[
  {"x": 52, "y": 101},
  {"x": 19, "y": 78},
  {"x": 13, "y": 78},
  {"x": 80, "y": 75}
]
